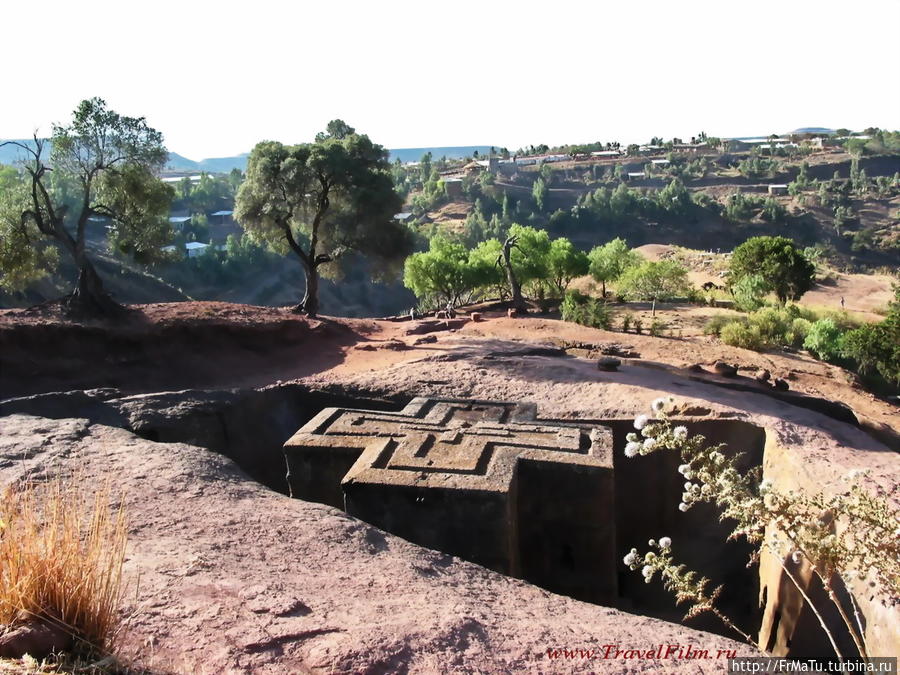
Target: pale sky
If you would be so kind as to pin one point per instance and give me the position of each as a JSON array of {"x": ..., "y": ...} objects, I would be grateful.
[{"x": 217, "y": 77}]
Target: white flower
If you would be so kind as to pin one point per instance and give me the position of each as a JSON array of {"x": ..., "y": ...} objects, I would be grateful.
[
  {"x": 765, "y": 486},
  {"x": 640, "y": 422},
  {"x": 631, "y": 558},
  {"x": 648, "y": 573},
  {"x": 680, "y": 433},
  {"x": 652, "y": 542},
  {"x": 683, "y": 469},
  {"x": 665, "y": 542},
  {"x": 795, "y": 556},
  {"x": 649, "y": 444},
  {"x": 662, "y": 405},
  {"x": 631, "y": 449},
  {"x": 632, "y": 437},
  {"x": 683, "y": 507},
  {"x": 688, "y": 486}
]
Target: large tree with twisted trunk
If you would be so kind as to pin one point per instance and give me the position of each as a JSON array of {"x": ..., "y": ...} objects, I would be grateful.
[
  {"x": 101, "y": 164},
  {"x": 323, "y": 200}
]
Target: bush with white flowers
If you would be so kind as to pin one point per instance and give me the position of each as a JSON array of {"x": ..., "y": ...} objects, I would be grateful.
[{"x": 868, "y": 548}]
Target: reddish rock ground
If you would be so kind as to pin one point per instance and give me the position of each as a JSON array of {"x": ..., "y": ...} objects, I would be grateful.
[{"x": 236, "y": 578}]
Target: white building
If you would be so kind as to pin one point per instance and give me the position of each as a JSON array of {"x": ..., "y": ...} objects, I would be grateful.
[{"x": 195, "y": 248}]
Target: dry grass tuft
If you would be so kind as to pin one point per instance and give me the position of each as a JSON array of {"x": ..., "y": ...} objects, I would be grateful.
[{"x": 61, "y": 555}]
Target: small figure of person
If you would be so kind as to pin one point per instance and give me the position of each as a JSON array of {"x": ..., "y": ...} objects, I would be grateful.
[{"x": 842, "y": 302}]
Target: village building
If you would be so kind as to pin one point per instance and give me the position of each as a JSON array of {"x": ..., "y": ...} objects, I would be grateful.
[
  {"x": 195, "y": 248},
  {"x": 453, "y": 186}
]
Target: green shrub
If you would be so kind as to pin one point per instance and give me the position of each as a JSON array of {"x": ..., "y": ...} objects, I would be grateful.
[
  {"x": 626, "y": 321},
  {"x": 824, "y": 340},
  {"x": 657, "y": 328},
  {"x": 773, "y": 323},
  {"x": 749, "y": 293},
  {"x": 763, "y": 329},
  {"x": 716, "y": 323},
  {"x": 740, "y": 334},
  {"x": 799, "y": 330},
  {"x": 696, "y": 296},
  {"x": 876, "y": 348},
  {"x": 638, "y": 326},
  {"x": 572, "y": 308},
  {"x": 579, "y": 308}
]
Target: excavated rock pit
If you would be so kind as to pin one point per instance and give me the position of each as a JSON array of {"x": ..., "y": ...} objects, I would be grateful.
[{"x": 557, "y": 520}]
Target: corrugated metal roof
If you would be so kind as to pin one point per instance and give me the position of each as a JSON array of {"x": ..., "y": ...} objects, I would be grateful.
[
  {"x": 223, "y": 213},
  {"x": 179, "y": 219},
  {"x": 192, "y": 245}
]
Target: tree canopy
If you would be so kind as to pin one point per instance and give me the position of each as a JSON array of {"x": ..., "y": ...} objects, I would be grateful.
[
  {"x": 103, "y": 164},
  {"x": 781, "y": 264},
  {"x": 442, "y": 275},
  {"x": 655, "y": 281},
  {"x": 608, "y": 262},
  {"x": 323, "y": 200}
]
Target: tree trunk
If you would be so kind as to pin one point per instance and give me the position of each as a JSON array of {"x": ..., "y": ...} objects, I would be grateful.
[
  {"x": 310, "y": 303},
  {"x": 89, "y": 298},
  {"x": 518, "y": 302}
]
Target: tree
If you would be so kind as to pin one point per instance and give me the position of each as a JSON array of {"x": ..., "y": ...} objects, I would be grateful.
[
  {"x": 539, "y": 192},
  {"x": 782, "y": 265},
  {"x": 876, "y": 347},
  {"x": 322, "y": 200},
  {"x": 608, "y": 262},
  {"x": 564, "y": 263},
  {"x": 102, "y": 164},
  {"x": 441, "y": 275},
  {"x": 522, "y": 256},
  {"x": 25, "y": 255},
  {"x": 824, "y": 340},
  {"x": 749, "y": 292},
  {"x": 425, "y": 168},
  {"x": 335, "y": 129},
  {"x": 654, "y": 280},
  {"x": 674, "y": 198}
]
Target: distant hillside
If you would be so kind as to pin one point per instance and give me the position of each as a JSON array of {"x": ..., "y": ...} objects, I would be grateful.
[
  {"x": 452, "y": 152},
  {"x": 813, "y": 130},
  {"x": 10, "y": 154},
  {"x": 214, "y": 165},
  {"x": 225, "y": 164}
]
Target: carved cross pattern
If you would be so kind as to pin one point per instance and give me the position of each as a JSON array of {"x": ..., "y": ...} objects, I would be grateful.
[{"x": 447, "y": 443}]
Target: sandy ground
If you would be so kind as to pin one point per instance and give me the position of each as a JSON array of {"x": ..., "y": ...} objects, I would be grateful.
[
  {"x": 280, "y": 346},
  {"x": 866, "y": 296}
]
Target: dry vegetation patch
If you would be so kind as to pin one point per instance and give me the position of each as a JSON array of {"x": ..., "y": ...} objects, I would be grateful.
[{"x": 61, "y": 555}]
